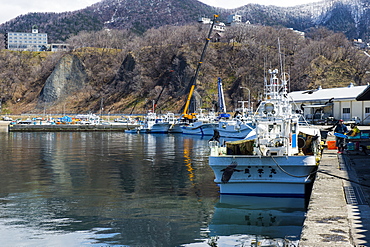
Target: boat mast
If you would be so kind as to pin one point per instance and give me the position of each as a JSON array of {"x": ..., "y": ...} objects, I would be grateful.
[{"x": 221, "y": 98}]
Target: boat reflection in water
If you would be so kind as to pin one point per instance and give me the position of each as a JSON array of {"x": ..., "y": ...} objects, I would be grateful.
[{"x": 257, "y": 221}]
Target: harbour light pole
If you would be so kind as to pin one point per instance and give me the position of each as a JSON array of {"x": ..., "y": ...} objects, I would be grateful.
[{"x": 249, "y": 98}]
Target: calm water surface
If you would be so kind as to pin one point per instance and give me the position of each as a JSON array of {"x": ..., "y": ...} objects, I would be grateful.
[{"x": 106, "y": 189}]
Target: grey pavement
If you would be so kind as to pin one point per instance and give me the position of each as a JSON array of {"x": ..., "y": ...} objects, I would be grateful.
[{"x": 338, "y": 212}]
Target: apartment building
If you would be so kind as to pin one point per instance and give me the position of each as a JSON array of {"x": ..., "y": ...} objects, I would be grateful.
[{"x": 33, "y": 41}]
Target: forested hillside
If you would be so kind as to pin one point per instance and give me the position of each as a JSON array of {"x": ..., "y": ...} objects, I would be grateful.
[
  {"x": 127, "y": 71},
  {"x": 134, "y": 15},
  {"x": 347, "y": 16}
]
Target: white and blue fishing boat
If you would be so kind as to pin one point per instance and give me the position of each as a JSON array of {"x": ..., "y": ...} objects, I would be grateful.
[
  {"x": 235, "y": 128},
  {"x": 152, "y": 124},
  {"x": 204, "y": 125},
  {"x": 155, "y": 124},
  {"x": 278, "y": 158},
  {"x": 238, "y": 126}
]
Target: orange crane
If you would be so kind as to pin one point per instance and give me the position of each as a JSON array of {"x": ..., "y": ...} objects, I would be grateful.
[{"x": 185, "y": 114}]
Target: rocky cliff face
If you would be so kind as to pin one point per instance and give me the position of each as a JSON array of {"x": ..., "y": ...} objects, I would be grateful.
[{"x": 68, "y": 77}]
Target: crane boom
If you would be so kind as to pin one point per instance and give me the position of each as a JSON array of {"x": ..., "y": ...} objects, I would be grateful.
[{"x": 193, "y": 81}]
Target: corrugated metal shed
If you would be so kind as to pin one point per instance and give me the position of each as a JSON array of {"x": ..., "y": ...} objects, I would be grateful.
[{"x": 339, "y": 94}]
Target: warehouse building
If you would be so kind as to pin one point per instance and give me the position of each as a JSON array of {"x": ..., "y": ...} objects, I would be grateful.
[{"x": 324, "y": 106}]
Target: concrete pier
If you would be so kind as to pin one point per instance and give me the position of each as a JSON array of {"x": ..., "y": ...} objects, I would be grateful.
[
  {"x": 338, "y": 212},
  {"x": 69, "y": 127}
]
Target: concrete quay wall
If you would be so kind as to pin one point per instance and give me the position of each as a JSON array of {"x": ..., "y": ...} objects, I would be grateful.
[
  {"x": 338, "y": 212},
  {"x": 68, "y": 127}
]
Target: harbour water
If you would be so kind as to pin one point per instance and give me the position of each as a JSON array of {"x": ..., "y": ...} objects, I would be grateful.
[{"x": 121, "y": 189}]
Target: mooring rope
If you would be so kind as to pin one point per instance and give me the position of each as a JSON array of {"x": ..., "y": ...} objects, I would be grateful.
[
  {"x": 296, "y": 176},
  {"x": 347, "y": 179},
  {"x": 323, "y": 172}
]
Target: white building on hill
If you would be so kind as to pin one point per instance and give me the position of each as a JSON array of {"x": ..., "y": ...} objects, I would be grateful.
[
  {"x": 338, "y": 103},
  {"x": 34, "y": 41},
  {"x": 234, "y": 19}
]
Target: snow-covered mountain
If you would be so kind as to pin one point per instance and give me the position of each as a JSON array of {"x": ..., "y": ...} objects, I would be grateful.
[{"x": 351, "y": 17}]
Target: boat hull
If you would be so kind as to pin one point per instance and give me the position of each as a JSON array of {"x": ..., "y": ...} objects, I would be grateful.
[
  {"x": 176, "y": 128},
  {"x": 203, "y": 130},
  {"x": 160, "y": 128},
  {"x": 232, "y": 132},
  {"x": 263, "y": 176}
]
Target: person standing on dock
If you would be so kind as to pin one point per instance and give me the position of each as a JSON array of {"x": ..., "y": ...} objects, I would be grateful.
[{"x": 341, "y": 129}]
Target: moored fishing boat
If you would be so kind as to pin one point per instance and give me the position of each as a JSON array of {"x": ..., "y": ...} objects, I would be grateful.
[
  {"x": 177, "y": 127},
  {"x": 235, "y": 128},
  {"x": 199, "y": 128},
  {"x": 176, "y": 123},
  {"x": 278, "y": 158},
  {"x": 155, "y": 124},
  {"x": 238, "y": 126},
  {"x": 203, "y": 126}
]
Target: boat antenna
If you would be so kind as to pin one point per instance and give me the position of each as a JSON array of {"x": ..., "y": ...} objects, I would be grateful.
[
  {"x": 280, "y": 57},
  {"x": 283, "y": 74}
]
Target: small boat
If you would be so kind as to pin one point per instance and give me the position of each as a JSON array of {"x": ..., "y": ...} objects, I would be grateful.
[
  {"x": 154, "y": 124},
  {"x": 6, "y": 118},
  {"x": 176, "y": 123},
  {"x": 87, "y": 119},
  {"x": 199, "y": 128},
  {"x": 235, "y": 128},
  {"x": 133, "y": 131},
  {"x": 177, "y": 127},
  {"x": 278, "y": 158},
  {"x": 203, "y": 126},
  {"x": 125, "y": 120}
]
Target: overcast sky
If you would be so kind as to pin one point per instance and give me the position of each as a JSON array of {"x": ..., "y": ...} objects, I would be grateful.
[{"x": 10, "y": 9}]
